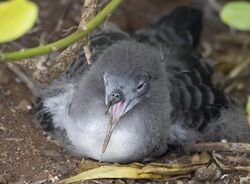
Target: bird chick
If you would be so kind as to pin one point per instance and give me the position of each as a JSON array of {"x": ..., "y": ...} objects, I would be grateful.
[{"x": 146, "y": 91}]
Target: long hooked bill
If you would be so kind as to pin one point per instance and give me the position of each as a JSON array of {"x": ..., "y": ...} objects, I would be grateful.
[{"x": 112, "y": 125}]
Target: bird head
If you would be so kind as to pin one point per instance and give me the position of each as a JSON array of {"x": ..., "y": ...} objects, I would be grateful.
[{"x": 123, "y": 92}]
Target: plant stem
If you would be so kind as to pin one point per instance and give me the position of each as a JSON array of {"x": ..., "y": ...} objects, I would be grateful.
[{"x": 60, "y": 44}]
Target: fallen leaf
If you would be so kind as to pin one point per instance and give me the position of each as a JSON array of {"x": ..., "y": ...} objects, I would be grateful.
[
  {"x": 159, "y": 171},
  {"x": 110, "y": 171}
]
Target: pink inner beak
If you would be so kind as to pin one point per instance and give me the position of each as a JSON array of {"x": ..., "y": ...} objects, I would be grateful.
[{"x": 116, "y": 110}]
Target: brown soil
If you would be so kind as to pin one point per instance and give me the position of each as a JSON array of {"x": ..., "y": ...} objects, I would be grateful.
[{"x": 26, "y": 155}]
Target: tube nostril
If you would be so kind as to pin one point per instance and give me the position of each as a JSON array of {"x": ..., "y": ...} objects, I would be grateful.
[{"x": 116, "y": 95}]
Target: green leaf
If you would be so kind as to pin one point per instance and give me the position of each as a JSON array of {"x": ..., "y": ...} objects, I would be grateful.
[
  {"x": 237, "y": 15},
  {"x": 16, "y": 18}
]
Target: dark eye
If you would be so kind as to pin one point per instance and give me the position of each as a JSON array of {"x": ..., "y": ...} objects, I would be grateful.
[{"x": 141, "y": 85}]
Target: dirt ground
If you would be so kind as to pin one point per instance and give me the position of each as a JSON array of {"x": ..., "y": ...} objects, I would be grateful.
[{"x": 28, "y": 156}]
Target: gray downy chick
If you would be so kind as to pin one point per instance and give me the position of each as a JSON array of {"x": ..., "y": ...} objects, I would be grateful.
[{"x": 151, "y": 89}]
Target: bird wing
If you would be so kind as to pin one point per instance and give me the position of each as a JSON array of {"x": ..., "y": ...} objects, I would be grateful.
[
  {"x": 194, "y": 98},
  {"x": 181, "y": 27}
]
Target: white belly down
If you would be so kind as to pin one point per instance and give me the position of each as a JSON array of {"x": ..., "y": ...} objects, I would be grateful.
[{"x": 88, "y": 136}]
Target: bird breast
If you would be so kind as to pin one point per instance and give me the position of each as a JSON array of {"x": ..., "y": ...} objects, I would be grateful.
[{"x": 87, "y": 134}]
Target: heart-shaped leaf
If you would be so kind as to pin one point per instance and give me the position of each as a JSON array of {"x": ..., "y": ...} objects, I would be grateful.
[{"x": 16, "y": 18}]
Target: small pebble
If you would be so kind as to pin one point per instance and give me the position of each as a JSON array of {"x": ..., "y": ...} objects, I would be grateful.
[
  {"x": 40, "y": 181},
  {"x": 245, "y": 180},
  {"x": 52, "y": 178},
  {"x": 24, "y": 105},
  {"x": 208, "y": 174},
  {"x": 4, "y": 77},
  {"x": 195, "y": 158},
  {"x": 2, "y": 128},
  {"x": 2, "y": 180},
  {"x": 54, "y": 155},
  {"x": 18, "y": 80},
  {"x": 5, "y": 178},
  {"x": 224, "y": 141},
  {"x": 62, "y": 169}
]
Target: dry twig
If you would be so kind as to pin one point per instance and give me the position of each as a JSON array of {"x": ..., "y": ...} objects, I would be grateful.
[
  {"x": 60, "y": 63},
  {"x": 218, "y": 146},
  {"x": 89, "y": 10},
  {"x": 224, "y": 167},
  {"x": 27, "y": 80}
]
